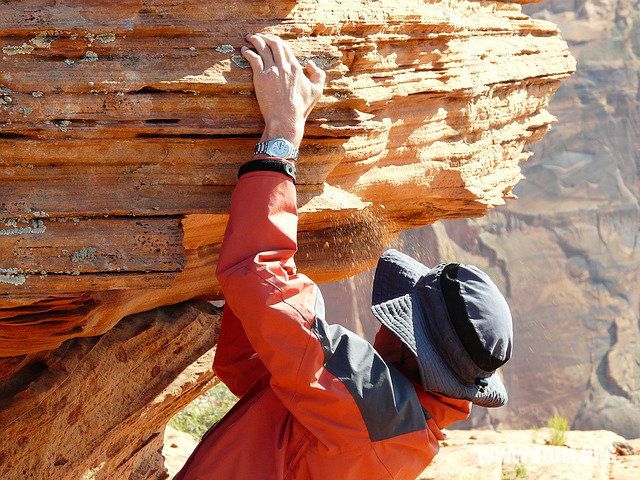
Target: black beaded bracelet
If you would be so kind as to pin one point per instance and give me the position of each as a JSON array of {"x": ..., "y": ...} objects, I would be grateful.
[{"x": 269, "y": 165}]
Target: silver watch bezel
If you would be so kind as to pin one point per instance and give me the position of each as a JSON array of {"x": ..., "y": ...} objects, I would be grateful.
[{"x": 267, "y": 148}]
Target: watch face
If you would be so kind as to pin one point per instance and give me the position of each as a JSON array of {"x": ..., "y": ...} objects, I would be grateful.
[{"x": 280, "y": 149}]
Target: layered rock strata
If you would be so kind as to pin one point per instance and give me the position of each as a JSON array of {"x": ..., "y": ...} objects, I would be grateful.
[
  {"x": 121, "y": 130},
  {"x": 96, "y": 408}
]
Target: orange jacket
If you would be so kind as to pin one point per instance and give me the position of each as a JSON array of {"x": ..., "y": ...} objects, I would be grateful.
[{"x": 316, "y": 400}]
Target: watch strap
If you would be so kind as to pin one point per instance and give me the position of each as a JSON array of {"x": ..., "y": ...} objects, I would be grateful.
[
  {"x": 261, "y": 148},
  {"x": 269, "y": 165}
]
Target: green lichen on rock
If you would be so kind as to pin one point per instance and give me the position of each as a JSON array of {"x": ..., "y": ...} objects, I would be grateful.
[
  {"x": 23, "y": 49},
  {"x": 83, "y": 254},
  {"x": 37, "y": 227},
  {"x": 240, "y": 61},
  {"x": 90, "y": 56},
  {"x": 225, "y": 48},
  {"x": 106, "y": 37},
  {"x": 44, "y": 39}
]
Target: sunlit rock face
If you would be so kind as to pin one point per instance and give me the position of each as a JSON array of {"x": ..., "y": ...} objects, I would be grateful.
[
  {"x": 121, "y": 130},
  {"x": 567, "y": 253},
  {"x": 95, "y": 408}
]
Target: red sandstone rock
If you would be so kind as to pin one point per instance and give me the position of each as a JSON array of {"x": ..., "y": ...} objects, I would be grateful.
[
  {"x": 95, "y": 408},
  {"x": 121, "y": 130}
]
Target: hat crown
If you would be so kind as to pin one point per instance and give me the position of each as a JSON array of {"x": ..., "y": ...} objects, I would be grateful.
[{"x": 479, "y": 314}]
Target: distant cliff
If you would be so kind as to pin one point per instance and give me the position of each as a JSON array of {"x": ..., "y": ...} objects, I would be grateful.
[{"x": 567, "y": 253}]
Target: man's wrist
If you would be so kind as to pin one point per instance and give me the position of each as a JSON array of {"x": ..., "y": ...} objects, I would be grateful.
[{"x": 292, "y": 134}]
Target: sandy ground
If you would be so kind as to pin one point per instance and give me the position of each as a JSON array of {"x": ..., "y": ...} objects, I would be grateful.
[
  {"x": 500, "y": 455},
  {"x": 177, "y": 448},
  {"x": 527, "y": 455}
]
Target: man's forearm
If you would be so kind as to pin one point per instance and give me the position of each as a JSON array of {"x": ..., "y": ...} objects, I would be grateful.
[{"x": 263, "y": 220}]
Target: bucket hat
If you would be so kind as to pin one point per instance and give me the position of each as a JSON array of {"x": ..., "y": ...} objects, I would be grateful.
[{"x": 454, "y": 320}]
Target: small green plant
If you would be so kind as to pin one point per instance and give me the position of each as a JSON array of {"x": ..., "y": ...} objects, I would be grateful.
[
  {"x": 519, "y": 471},
  {"x": 196, "y": 418},
  {"x": 559, "y": 426}
]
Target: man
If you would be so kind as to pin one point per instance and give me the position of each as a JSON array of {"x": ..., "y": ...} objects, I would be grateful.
[{"x": 316, "y": 400}]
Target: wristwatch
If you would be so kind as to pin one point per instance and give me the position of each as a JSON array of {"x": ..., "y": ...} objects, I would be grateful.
[{"x": 277, "y": 148}]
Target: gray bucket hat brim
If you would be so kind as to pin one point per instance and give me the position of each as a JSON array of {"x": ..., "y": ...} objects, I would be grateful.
[{"x": 396, "y": 305}]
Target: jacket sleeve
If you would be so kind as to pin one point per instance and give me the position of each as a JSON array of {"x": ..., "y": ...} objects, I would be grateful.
[
  {"x": 236, "y": 362},
  {"x": 446, "y": 410},
  {"x": 331, "y": 380}
]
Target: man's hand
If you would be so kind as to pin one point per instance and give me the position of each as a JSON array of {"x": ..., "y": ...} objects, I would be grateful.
[{"x": 285, "y": 94}]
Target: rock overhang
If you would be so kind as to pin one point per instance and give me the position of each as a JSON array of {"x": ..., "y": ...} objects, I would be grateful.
[{"x": 121, "y": 132}]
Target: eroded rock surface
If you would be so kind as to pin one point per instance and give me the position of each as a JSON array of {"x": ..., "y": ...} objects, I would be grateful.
[
  {"x": 121, "y": 130},
  {"x": 95, "y": 408}
]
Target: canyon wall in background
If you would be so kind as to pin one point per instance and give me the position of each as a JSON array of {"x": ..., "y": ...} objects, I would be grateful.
[{"x": 567, "y": 253}]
